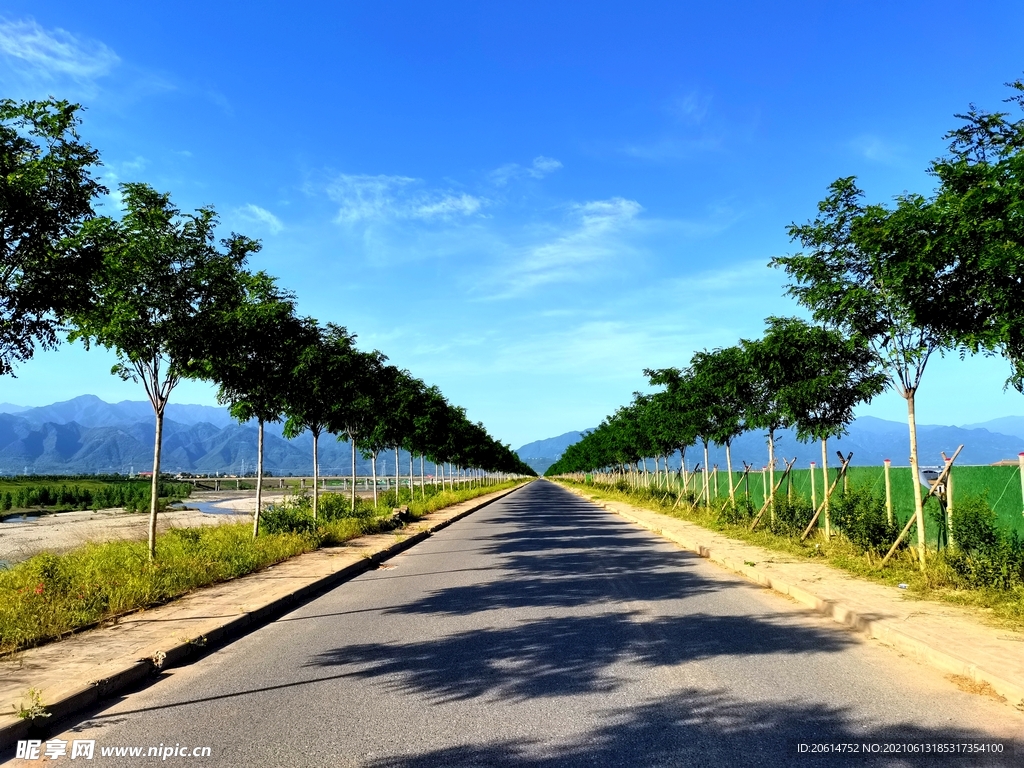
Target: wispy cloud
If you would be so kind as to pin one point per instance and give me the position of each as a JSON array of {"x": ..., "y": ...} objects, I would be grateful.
[
  {"x": 690, "y": 108},
  {"x": 877, "y": 149},
  {"x": 54, "y": 54},
  {"x": 673, "y": 148},
  {"x": 374, "y": 198},
  {"x": 593, "y": 235},
  {"x": 260, "y": 216},
  {"x": 114, "y": 172},
  {"x": 538, "y": 169}
]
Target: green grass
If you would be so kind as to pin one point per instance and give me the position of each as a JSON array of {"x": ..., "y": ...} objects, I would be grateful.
[
  {"x": 49, "y": 595},
  {"x": 1004, "y": 607}
]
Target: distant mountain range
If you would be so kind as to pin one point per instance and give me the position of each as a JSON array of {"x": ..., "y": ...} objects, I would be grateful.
[
  {"x": 87, "y": 435},
  {"x": 541, "y": 454},
  {"x": 870, "y": 439}
]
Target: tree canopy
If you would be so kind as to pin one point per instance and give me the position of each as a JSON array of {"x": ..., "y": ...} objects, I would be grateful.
[{"x": 47, "y": 192}]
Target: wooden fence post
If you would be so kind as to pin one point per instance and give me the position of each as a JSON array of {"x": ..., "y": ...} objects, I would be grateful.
[
  {"x": 949, "y": 503},
  {"x": 824, "y": 503},
  {"x": 913, "y": 518},
  {"x": 888, "y": 492},
  {"x": 745, "y": 477},
  {"x": 814, "y": 495},
  {"x": 768, "y": 501},
  {"x": 1020, "y": 461}
]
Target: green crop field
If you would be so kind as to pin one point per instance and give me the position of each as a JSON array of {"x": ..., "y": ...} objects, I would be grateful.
[
  {"x": 92, "y": 482},
  {"x": 999, "y": 485}
]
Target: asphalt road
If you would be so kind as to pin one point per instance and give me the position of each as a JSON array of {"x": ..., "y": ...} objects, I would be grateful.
[{"x": 545, "y": 631}]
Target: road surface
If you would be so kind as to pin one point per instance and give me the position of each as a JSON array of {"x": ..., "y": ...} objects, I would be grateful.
[{"x": 545, "y": 631}]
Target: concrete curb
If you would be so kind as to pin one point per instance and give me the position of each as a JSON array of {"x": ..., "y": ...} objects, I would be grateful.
[
  {"x": 881, "y": 630},
  {"x": 136, "y": 670}
]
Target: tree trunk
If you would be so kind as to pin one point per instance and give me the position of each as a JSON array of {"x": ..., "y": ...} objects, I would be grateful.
[
  {"x": 412, "y": 479},
  {"x": 373, "y": 463},
  {"x": 423, "y": 484},
  {"x": 398, "y": 480},
  {"x": 824, "y": 471},
  {"x": 259, "y": 482},
  {"x": 771, "y": 470},
  {"x": 154, "y": 500},
  {"x": 707, "y": 478},
  {"x": 728, "y": 464},
  {"x": 918, "y": 500},
  {"x": 352, "y": 442},
  {"x": 316, "y": 474}
]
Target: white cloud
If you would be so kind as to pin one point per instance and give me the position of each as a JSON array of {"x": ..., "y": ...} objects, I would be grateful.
[
  {"x": 114, "y": 172},
  {"x": 674, "y": 148},
  {"x": 257, "y": 215},
  {"x": 691, "y": 108},
  {"x": 877, "y": 149},
  {"x": 592, "y": 237},
  {"x": 55, "y": 53},
  {"x": 447, "y": 206},
  {"x": 538, "y": 169},
  {"x": 374, "y": 198}
]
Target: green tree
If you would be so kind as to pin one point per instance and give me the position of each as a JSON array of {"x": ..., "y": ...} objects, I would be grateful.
[
  {"x": 324, "y": 366},
  {"x": 723, "y": 378},
  {"x": 382, "y": 428},
  {"x": 829, "y": 375},
  {"x": 254, "y": 367},
  {"x": 960, "y": 251},
  {"x": 850, "y": 282},
  {"x": 402, "y": 398},
  {"x": 769, "y": 376},
  {"x": 46, "y": 196},
  {"x": 160, "y": 295},
  {"x": 678, "y": 423},
  {"x": 356, "y": 400}
]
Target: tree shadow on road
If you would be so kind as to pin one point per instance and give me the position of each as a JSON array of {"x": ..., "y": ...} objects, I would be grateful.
[
  {"x": 563, "y": 552},
  {"x": 701, "y": 728},
  {"x": 566, "y": 656}
]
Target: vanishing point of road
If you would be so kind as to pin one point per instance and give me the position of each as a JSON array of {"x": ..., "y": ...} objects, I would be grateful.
[{"x": 544, "y": 631}]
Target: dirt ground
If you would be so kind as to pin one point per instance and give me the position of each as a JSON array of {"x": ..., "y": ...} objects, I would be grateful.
[{"x": 62, "y": 531}]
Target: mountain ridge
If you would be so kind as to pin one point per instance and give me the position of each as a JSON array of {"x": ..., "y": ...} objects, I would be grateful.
[
  {"x": 870, "y": 439},
  {"x": 86, "y": 435}
]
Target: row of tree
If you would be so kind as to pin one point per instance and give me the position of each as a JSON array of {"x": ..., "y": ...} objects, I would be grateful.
[
  {"x": 798, "y": 375},
  {"x": 156, "y": 286},
  {"x": 888, "y": 285}
]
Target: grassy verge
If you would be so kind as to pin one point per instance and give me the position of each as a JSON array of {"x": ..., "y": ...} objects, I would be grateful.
[
  {"x": 49, "y": 595},
  {"x": 943, "y": 580}
]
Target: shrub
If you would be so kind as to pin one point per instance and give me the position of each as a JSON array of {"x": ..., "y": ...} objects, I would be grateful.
[
  {"x": 743, "y": 512},
  {"x": 861, "y": 517},
  {"x": 287, "y": 517},
  {"x": 791, "y": 516},
  {"x": 974, "y": 526}
]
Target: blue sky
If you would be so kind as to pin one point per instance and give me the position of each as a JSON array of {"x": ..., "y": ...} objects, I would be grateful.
[{"x": 527, "y": 203}]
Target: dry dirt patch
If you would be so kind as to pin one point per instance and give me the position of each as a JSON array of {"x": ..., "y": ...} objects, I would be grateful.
[{"x": 62, "y": 531}]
